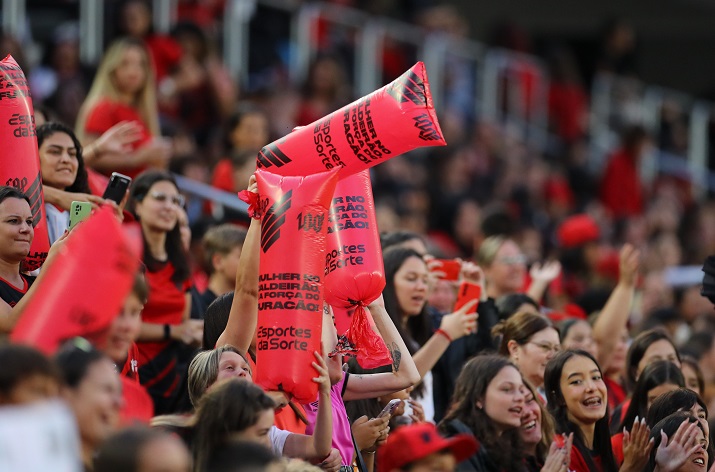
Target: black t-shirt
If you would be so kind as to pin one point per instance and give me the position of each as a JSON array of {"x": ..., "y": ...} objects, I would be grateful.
[{"x": 11, "y": 294}]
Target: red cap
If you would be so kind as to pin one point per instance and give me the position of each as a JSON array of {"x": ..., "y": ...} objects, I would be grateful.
[
  {"x": 414, "y": 442},
  {"x": 577, "y": 230}
]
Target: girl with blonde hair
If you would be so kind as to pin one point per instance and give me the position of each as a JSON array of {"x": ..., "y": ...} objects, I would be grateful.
[{"x": 124, "y": 91}]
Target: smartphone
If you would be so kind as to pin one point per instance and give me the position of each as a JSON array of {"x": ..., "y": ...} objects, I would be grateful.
[
  {"x": 559, "y": 440},
  {"x": 450, "y": 268},
  {"x": 117, "y": 187},
  {"x": 390, "y": 408},
  {"x": 79, "y": 211},
  {"x": 467, "y": 292}
]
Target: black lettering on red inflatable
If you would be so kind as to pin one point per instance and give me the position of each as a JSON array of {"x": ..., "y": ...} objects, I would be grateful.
[
  {"x": 408, "y": 87},
  {"x": 273, "y": 220}
]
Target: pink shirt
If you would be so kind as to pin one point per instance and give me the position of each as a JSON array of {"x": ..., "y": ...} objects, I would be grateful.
[{"x": 342, "y": 438}]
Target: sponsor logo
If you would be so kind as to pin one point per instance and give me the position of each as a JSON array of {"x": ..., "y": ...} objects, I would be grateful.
[
  {"x": 270, "y": 156},
  {"x": 408, "y": 88},
  {"x": 273, "y": 220}
]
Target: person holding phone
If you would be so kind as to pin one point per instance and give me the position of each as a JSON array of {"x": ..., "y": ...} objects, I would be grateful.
[
  {"x": 155, "y": 201},
  {"x": 62, "y": 168},
  {"x": 406, "y": 294}
]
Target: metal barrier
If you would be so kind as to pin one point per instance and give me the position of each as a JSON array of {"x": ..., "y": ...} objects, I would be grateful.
[
  {"x": 437, "y": 50},
  {"x": 235, "y": 38},
  {"x": 207, "y": 192},
  {"x": 499, "y": 95},
  {"x": 515, "y": 94},
  {"x": 14, "y": 17},
  {"x": 617, "y": 102},
  {"x": 306, "y": 41},
  {"x": 165, "y": 13},
  {"x": 91, "y": 30}
]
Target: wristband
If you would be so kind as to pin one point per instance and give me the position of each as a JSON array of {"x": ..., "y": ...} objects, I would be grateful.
[
  {"x": 167, "y": 332},
  {"x": 444, "y": 333}
]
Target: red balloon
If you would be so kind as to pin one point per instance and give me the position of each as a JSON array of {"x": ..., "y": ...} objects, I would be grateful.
[
  {"x": 84, "y": 287},
  {"x": 290, "y": 291},
  {"x": 354, "y": 272},
  {"x": 395, "y": 119},
  {"x": 20, "y": 166}
]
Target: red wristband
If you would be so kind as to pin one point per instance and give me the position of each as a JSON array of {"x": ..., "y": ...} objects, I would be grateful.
[{"x": 444, "y": 333}]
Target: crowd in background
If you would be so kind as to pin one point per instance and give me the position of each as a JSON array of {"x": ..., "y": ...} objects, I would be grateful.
[{"x": 568, "y": 260}]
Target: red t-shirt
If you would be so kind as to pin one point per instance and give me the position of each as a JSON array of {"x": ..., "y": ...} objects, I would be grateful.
[
  {"x": 107, "y": 113},
  {"x": 616, "y": 393},
  {"x": 621, "y": 189},
  {"x": 165, "y": 54},
  {"x": 165, "y": 306},
  {"x": 223, "y": 176}
]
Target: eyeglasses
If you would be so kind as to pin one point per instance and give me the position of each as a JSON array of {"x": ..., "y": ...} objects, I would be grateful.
[
  {"x": 547, "y": 347},
  {"x": 161, "y": 197},
  {"x": 512, "y": 260}
]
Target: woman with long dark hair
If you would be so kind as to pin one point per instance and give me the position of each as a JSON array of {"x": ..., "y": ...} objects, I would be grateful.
[
  {"x": 649, "y": 346},
  {"x": 683, "y": 400},
  {"x": 658, "y": 378},
  {"x": 680, "y": 445},
  {"x": 405, "y": 297},
  {"x": 489, "y": 403},
  {"x": 62, "y": 168},
  {"x": 154, "y": 200},
  {"x": 577, "y": 399}
]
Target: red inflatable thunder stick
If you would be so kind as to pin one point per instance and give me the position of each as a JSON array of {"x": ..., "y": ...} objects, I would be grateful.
[
  {"x": 395, "y": 119},
  {"x": 74, "y": 297},
  {"x": 20, "y": 161},
  {"x": 290, "y": 289},
  {"x": 354, "y": 272}
]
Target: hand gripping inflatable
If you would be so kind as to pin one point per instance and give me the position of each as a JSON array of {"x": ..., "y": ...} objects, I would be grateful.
[
  {"x": 84, "y": 286},
  {"x": 290, "y": 289},
  {"x": 354, "y": 272},
  {"x": 395, "y": 119},
  {"x": 20, "y": 160}
]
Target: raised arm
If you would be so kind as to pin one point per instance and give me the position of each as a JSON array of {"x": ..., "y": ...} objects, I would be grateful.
[
  {"x": 541, "y": 277},
  {"x": 452, "y": 327},
  {"x": 404, "y": 372},
  {"x": 613, "y": 318},
  {"x": 320, "y": 443},
  {"x": 243, "y": 318}
]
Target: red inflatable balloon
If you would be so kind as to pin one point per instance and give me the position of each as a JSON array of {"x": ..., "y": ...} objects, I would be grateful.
[
  {"x": 290, "y": 291},
  {"x": 354, "y": 272},
  {"x": 390, "y": 121},
  {"x": 85, "y": 285},
  {"x": 20, "y": 166}
]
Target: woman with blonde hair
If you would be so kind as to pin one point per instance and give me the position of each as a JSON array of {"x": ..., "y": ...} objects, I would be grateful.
[{"x": 124, "y": 91}]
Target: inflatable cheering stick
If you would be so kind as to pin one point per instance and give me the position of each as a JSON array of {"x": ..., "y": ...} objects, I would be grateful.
[
  {"x": 395, "y": 119},
  {"x": 20, "y": 160},
  {"x": 294, "y": 225},
  {"x": 354, "y": 272},
  {"x": 74, "y": 301}
]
